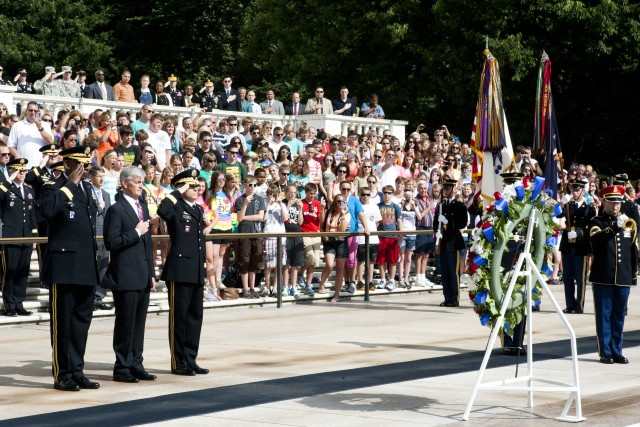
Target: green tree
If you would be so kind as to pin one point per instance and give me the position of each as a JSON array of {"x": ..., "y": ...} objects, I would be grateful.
[{"x": 35, "y": 34}]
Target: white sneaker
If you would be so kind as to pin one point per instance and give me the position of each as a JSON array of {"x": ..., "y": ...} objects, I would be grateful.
[
  {"x": 380, "y": 284},
  {"x": 390, "y": 285}
]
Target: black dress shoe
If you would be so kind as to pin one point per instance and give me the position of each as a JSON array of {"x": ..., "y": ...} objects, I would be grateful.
[
  {"x": 185, "y": 371},
  {"x": 607, "y": 360},
  {"x": 103, "y": 306},
  {"x": 618, "y": 358},
  {"x": 125, "y": 378},
  {"x": 198, "y": 370},
  {"x": 23, "y": 312},
  {"x": 143, "y": 375},
  {"x": 577, "y": 311},
  {"x": 66, "y": 384},
  {"x": 451, "y": 304},
  {"x": 568, "y": 311},
  {"x": 10, "y": 313},
  {"x": 86, "y": 383},
  {"x": 444, "y": 304}
]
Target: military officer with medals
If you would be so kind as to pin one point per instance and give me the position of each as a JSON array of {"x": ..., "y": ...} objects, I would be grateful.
[
  {"x": 210, "y": 100},
  {"x": 613, "y": 271},
  {"x": 450, "y": 219},
  {"x": 18, "y": 220},
  {"x": 177, "y": 96},
  {"x": 71, "y": 267},
  {"x": 22, "y": 85},
  {"x": 184, "y": 271},
  {"x": 574, "y": 245}
]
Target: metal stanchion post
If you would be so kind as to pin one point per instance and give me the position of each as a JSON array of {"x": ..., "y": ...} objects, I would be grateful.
[
  {"x": 279, "y": 271},
  {"x": 367, "y": 266}
]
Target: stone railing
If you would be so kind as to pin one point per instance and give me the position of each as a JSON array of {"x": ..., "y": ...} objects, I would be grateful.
[{"x": 332, "y": 124}]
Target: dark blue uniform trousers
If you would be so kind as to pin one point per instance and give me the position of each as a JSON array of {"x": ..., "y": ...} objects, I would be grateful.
[
  {"x": 574, "y": 273},
  {"x": 449, "y": 270},
  {"x": 610, "y": 306}
]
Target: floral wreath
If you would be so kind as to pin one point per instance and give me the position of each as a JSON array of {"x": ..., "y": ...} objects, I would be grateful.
[{"x": 507, "y": 219}]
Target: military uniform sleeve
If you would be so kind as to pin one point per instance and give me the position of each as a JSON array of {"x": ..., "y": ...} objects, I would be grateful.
[
  {"x": 56, "y": 196},
  {"x": 167, "y": 208},
  {"x": 599, "y": 235}
]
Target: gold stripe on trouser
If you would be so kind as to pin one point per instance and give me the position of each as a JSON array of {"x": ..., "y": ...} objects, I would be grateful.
[
  {"x": 595, "y": 317},
  {"x": 457, "y": 276},
  {"x": 171, "y": 325},
  {"x": 4, "y": 269},
  {"x": 584, "y": 282},
  {"x": 54, "y": 330}
]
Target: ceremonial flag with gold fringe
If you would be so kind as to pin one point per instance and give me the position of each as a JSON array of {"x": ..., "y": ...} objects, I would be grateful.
[
  {"x": 546, "y": 138},
  {"x": 490, "y": 138}
]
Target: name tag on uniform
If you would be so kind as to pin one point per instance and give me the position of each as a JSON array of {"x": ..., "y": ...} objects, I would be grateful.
[{"x": 72, "y": 214}]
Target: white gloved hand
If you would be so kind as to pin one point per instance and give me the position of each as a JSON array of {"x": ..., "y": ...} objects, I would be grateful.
[
  {"x": 572, "y": 234},
  {"x": 622, "y": 219},
  {"x": 438, "y": 235},
  {"x": 443, "y": 219},
  {"x": 566, "y": 199}
]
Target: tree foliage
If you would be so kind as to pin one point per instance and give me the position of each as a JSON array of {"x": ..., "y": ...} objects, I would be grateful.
[{"x": 422, "y": 57}]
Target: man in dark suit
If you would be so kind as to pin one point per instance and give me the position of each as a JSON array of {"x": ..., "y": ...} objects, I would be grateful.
[
  {"x": 131, "y": 275},
  {"x": 294, "y": 108},
  {"x": 230, "y": 97},
  {"x": 18, "y": 220},
  {"x": 100, "y": 89},
  {"x": 71, "y": 267},
  {"x": 103, "y": 201},
  {"x": 184, "y": 271}
]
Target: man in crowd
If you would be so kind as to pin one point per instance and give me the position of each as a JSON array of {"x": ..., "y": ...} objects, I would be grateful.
[
  {"x": 252, "y": 106},
  {"x": 123, "y": 91},
  {"x": 71, "y": 267},
  {"x": 209, "y": 100},
  {"x": 318, "y": 105},
  {"x": 99, "y": 89},
  {"x": 131, "y": 275},
  {"x": 294, "y": 108},
  {"x": 372, "y": 109},
  {"x": 177, "y": 96},
  {"x": 48, "y": 85},
  {"x": 103, "y": 200},
  {"x": 389, "y": 249},
  {"x": 272, "y": 105},
  {"x": 159, "y": 140},
  {"x": 145, "y": 117},
  {"x": 81, "y": 78},
  {"x": 230, "y": 97},
  {"x": 68, "y": 87},
  {"x": 232, "y": 165},
  {"x": 29, "y": 135},
  {"x": 344, "y": 105},
  {"x": 184, "y": 271}
]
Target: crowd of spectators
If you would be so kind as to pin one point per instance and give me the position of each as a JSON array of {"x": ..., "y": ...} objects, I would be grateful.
[{"x": 270, "y": 178}]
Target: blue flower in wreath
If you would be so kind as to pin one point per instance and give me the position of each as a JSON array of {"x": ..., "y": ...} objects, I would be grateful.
[
  {"x": 557, "y": 210},
  {"x": 503, "y": 206},
  {"x": 536, "y": 303},
  {"x": 519, "y": 192},
  {"x": 481, "y": 297},
  {"x": 538, "y": 182},
  {"x": 552, "y": 241},
  {"x": 507, "y": 328},
  {"x": 546, "y": 270},
  {"x": 479, "y": 261},
  {"x": 484, "y": 319}
]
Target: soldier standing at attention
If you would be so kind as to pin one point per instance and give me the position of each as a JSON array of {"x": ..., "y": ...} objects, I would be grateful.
[
  {"x": 68, "y": 86},
  {"x": 184, "y": 271},
  {"x": 71, "y": 267},
  {"x": 613, "y": 272},
  {"x": 575, "y": 245},
  {"x": 18, "y": 220},
  {"x": 452, "y": 214},
  {"x": 48, "y": 85}
]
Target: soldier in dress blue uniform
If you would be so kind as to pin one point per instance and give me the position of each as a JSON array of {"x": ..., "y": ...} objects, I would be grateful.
[
  {"x": 177, "y": 96},
  {"x": 627, "y": 207},
  {"x": 184, "y": 271},
  {"x": 71, "y": 267},
  {"x": 18, "y": 220},
  {"x": 575, "y": 246},
  {"x": 37, "y": 177},
  {"x": 451, "y": 218},
  {"x": 210, "y": 100},
  {"x": 613, "y": 271}
]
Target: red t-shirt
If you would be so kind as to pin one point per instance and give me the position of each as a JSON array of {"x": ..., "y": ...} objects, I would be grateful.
[{"x": 311, "y": 216}]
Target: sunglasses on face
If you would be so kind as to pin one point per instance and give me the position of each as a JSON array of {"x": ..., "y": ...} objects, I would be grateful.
[
  {"x": 388, "y": 192},
  {"x": 251, "y": 185},
  {"x": 342, "y": 171},
  {"x": 365, "y": 195},
  {"x": 372, "y": 182},
  {"x": 345, "y": 189}
]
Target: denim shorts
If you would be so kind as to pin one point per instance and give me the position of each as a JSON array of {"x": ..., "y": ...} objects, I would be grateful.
[{"x": 408, "y": 242}]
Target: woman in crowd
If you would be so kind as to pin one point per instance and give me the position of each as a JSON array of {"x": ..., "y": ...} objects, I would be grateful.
[
  {"x": 220, "y": 203},
  {"x": 79, "y": 125},
  {"x": 400, "y": 186},
  {"x": 165, "y": 182},
  {"x": 328, "y": 169},
  {"x": 300, "y": 175},
  {"x": 147, "y": 156},
  {"x": 408, "y": 215},
  {"x": 335, "y": 249},
  {"x": 342, "y": 170},
  {"x": 249, "y": 162},
  {"x": 176, "y": 163},
  {"x": 238, "y": 142},
  {"x": 111, "y": 176},
  {"x": 265, "y": 130},
  {"x": 208, "y": 165},
  {"x": 169, "y": 126},
  {"x": 366, "y": 170},
  {"x": 69, "y": 139},
  {"x": 274, "y": 218},
  {"x": 416, "y": 167},
  {"x": 145, "y": 95},
  {"x": 435, "y": 177},
  {"x": 353, "y": 163},
  {"x": 284, "y": 156},
  {"x": 152, "y": 192}
]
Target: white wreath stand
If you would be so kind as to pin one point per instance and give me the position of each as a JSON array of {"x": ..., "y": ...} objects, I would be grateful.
[{"x": 531, "y": 272}]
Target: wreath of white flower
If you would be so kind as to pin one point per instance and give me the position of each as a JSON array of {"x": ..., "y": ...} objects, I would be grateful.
[{"x": 507, "y": 219}]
